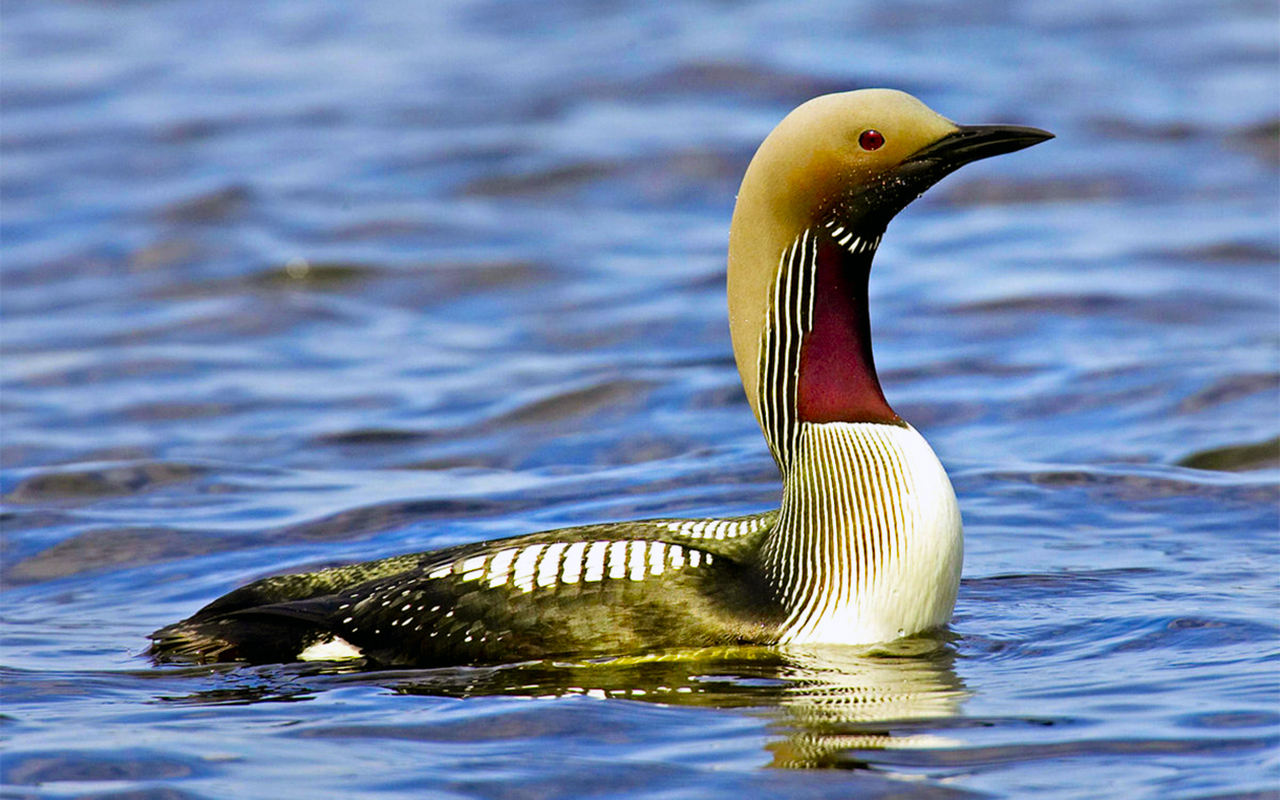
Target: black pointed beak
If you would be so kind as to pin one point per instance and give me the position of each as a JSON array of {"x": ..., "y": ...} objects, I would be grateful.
[
  {"x": 972, "y": 143},
  {"x": 878, "y": 202}
]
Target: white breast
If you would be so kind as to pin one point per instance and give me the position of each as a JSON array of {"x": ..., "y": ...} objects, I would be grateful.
[{"x": 868, "y": 546}]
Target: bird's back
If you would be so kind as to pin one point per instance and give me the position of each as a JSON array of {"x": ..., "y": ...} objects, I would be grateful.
[{"x": 592, "y": 590}]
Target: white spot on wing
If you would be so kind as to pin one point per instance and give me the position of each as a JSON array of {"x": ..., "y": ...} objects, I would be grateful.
[
  {"x": 525, "y": 562},
  {"x": 617, "y": 559},
  {"x": 500, "y": 566},
  {"x": 572, "y": 560},
  {"x": 636, "y": 560},
  {"x": 677, "y": 557},
  {"x": 595, "y": 561},
  {"x": 550, "y": 565},
  {"x": 657, "y": 557}
]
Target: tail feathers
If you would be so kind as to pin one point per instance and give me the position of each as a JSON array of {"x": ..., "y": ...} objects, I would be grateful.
[{"x": 269, "y": 634}]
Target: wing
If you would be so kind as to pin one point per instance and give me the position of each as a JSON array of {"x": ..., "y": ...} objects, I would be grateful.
[{"x": 524, "y": 599}]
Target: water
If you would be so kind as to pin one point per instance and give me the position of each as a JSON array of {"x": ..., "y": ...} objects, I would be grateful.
[{"x": 288, "y": 285}]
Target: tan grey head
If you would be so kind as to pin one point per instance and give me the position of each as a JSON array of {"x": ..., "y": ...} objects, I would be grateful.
[{"x": 820, "y": 190}]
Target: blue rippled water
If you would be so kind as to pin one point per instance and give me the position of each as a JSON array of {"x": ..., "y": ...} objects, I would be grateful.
[{"x": 293, "y": 284}]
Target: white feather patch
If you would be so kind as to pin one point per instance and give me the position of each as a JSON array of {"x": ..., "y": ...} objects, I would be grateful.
[{"x": 335, "y": 648}]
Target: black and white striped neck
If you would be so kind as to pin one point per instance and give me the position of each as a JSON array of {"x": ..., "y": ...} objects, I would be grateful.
[
  {"x": 851, "y": 556},
  {"x": 816, "y": 362}
]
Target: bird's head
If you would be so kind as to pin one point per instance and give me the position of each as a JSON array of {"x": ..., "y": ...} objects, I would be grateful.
[{"x": 849, "y": 161}]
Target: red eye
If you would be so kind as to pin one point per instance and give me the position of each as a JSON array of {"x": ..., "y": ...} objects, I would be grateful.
[{"x": 871, "y": 140}]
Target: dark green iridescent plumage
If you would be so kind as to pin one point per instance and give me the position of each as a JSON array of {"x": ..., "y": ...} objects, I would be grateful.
[{"x": 428, "y": 609}]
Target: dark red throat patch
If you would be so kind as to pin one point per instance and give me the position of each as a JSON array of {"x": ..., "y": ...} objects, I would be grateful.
[{"x": 838, "y": 380}]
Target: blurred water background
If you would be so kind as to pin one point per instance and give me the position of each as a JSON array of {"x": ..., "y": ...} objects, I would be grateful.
[{"x": 292, "y": 284}]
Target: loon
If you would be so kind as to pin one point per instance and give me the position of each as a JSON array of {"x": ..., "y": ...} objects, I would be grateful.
[{"x": 866, "y": 545}]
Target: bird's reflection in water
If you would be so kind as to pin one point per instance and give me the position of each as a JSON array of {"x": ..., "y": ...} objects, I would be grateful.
[
  {"x": 827, "y": 699},
  {"x": 842, "y": 698},
  {"x": 826, "y": 703}
]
